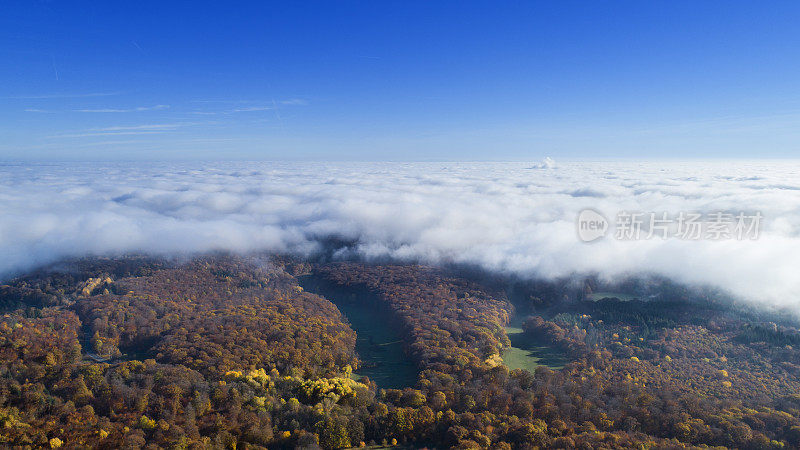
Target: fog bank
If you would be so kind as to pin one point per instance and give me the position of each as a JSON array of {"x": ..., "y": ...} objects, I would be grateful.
[{"x": 512, "y": 217}]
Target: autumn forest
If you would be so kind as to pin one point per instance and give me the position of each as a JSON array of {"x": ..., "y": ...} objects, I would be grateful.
[{"x": 269, "y": 351}]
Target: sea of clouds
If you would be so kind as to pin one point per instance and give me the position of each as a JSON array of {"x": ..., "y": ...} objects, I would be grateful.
[{"x": 517, "y": 218}]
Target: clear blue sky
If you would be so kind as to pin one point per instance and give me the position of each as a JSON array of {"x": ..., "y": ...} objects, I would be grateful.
[{"x": 399, "y": 80}]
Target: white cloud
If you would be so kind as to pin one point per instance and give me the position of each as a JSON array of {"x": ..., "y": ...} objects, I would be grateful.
[
  {"x": 124, "y": 110},
  {"x": 60, "y": 96},
  {"x": 248, "y": 105},
  {"x": 507, "y": 217},
  {"x": 156, "y": 126},
  {"x": 252, "y": 109},
  {"x": 294, "y": 101},
  {"x": 127, "y": 130}
]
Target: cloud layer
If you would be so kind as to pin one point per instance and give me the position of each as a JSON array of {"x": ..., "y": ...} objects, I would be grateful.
[{"x": 512, "y": 217}]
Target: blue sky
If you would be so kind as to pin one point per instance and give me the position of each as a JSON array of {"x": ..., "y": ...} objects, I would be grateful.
[{"x": 399, "y": 80}]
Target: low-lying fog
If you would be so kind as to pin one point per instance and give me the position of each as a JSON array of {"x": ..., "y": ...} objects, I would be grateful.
[{"x": 513, "y": 217}]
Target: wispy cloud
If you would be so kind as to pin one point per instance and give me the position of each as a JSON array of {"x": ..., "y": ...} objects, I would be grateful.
[
  {"x": 251, "y": 109},
  {"x": 136, "y": 44},
  {"x": 126, "y": 130},
  {"x": 57, "y": 96},
  {"x": 728, "y": 124},
  {"x": 233, "y": 111},
  {"x": 107, "y": 133},
  {"x": 124, "y": 110},
  {"x": 294, "y": 101},
  {"x": 213, "y": 100},
  {"x": 159, "y": 126},
  {"x": 55, "y": 69},
  {"x": 240, "y": 106},
  {"x": 37, "y": 110}
]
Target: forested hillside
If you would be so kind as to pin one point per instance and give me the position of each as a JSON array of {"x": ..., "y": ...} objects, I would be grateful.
[{"x": 231, "y": 352}]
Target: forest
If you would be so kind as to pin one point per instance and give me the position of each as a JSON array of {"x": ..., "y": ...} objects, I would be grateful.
[{"x": 226, "y": 351}]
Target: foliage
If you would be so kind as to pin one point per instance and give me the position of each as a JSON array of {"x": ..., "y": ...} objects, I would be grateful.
[{"x": 223, "y": 351}]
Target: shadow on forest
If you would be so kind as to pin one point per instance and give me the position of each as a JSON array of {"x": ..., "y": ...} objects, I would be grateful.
[{"x": 379, "y": 336}]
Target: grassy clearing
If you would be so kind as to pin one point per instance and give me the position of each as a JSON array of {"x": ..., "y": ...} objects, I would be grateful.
[{"x": 528, "y": 354}]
